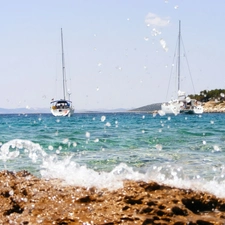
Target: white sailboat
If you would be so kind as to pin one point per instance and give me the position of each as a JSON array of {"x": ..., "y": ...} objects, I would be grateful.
[
  {"x": 62, "y": 107},
  {"x": 182, "y": 104},
  {"x": 171, "y": 107}
]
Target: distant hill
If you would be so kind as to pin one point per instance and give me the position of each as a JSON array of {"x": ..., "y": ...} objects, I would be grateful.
[
  {"x": 46, "y": 110},
  {"x": 24, "y": 111},
  {"x": 148, "y": 108}
]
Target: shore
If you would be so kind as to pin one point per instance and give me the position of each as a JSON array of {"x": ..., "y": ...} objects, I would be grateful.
[
  {"x": 209, "y": 107},
  {"x": 26, "y": 199},
  {"x": 214, "y": 107}
]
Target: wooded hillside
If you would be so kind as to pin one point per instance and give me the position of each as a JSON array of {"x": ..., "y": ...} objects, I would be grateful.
[{"x": 205, "y": 96}]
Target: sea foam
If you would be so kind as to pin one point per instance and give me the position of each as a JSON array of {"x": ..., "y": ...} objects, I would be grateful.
[{"x": 65, "y": 168}]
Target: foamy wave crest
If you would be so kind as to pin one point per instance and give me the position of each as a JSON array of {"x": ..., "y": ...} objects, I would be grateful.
[
  {"x": 11, "y": 150},
  {"x": 175, "y": 177},
  {"x": 74, "y": 174},
  {"x": 65, "y": 168}
]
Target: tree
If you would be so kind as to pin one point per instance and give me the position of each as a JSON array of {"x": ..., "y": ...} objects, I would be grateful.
[{"x": 205, "y": 95}]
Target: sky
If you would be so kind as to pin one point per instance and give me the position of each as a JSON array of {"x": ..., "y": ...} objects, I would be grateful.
[{"x": 118, "y": 53}]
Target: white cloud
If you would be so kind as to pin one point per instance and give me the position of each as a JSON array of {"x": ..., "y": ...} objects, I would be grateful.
[{"x": 153, "y": 20}]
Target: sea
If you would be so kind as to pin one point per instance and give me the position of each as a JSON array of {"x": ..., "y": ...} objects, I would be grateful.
[{"x": 104, "y": 149}]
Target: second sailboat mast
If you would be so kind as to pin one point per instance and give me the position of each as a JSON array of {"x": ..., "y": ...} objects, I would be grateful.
[{"x": 178, "y": 66}]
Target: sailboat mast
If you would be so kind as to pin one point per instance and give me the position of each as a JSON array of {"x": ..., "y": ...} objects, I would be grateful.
[
  {"x": 178, "y": 60},
  {"x": 63, "y": 67}
]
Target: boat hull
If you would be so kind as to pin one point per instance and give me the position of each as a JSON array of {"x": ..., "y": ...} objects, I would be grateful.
[
  {"x": 180, "y": 106},
  {"x": 62, "y": 108},
  {"x": 194, "y": 110},
  {"x": 172, "y": 107},
  {"x": 62, "y": 112}
]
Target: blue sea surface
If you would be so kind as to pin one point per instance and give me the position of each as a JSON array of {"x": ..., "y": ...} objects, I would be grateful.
[{"x": 102, "y": 149}]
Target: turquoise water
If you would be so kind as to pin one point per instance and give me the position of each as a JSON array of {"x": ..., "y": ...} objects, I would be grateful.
[{"x": 102, "y": 149}]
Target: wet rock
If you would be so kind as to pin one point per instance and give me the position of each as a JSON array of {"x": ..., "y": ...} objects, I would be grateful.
[{"x": 26, "y": 199}]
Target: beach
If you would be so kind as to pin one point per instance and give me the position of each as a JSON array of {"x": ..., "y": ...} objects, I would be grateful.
[{"x": 26, "y": 199}]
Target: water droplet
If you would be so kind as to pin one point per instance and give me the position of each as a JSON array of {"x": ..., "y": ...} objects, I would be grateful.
[
  {"x": 158, "y": 147},
  {"x": 163, "y": 44},
  {"x": 155, "y": 32},
  {"x": 87, "y": 134},
  {"x": 108, "y": 124},
  {"x": 65, "y": 141},
  {"x": 103, "y": 118},
  {"x": 96, "y": 140},
  {"x": 216, "y": 148},
  {"x": 161, "y": 113},
  {"x": 50, "y": 147}
]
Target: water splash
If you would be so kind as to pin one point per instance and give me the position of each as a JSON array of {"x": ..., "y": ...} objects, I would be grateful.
[
  {"x": 155, "y": 32},
  {"x": 73, "y": 174},
  {"x": 164, "y": 45},
  {"x": 103, "y": 118},
  {"x": 11, "y": 150}
]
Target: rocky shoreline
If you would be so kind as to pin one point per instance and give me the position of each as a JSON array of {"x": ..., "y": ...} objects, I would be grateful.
[
  {"x": 26, "y": 199},
  {"x": 214, "y": 107},
  {"x": 209, "y": 107}
]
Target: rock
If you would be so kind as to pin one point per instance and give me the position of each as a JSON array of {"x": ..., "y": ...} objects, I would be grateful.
[
  {"x": 214, "y": 107},
  {"x": 26, "y": 199}
]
